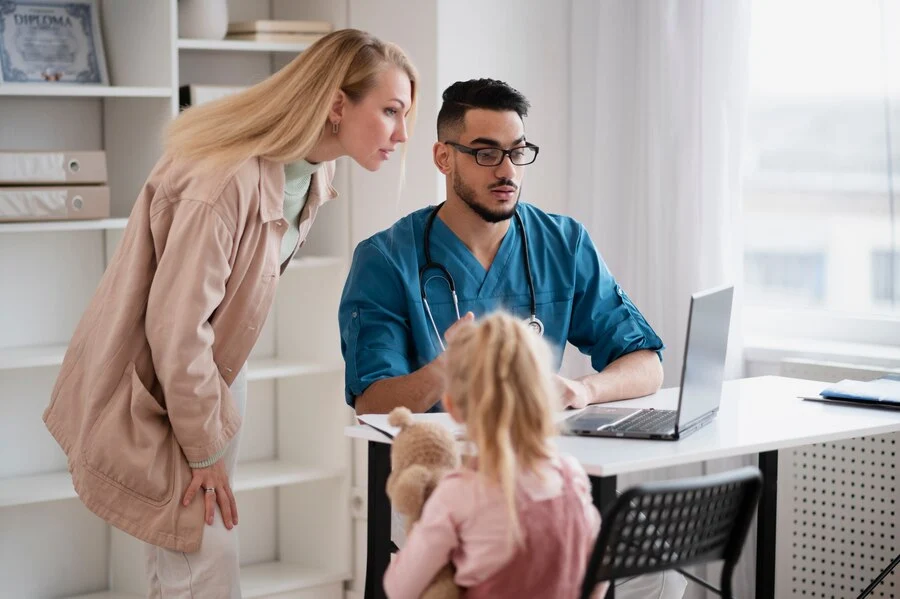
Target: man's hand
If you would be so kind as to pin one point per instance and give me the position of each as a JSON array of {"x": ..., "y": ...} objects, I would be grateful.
[
  {"x": 573, "y": 394},
  {"x": 212, "y": 482},
  {"x": 418, "y": 391}
]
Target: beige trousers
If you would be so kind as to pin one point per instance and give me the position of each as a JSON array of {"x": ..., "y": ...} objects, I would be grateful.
[{"x": 213, "y": 572}]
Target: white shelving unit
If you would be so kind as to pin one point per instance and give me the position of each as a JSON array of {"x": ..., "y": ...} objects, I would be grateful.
[
  {"x": 240, "y": 46},
  {"x": 86, "y": 91},
  {"x": 270, "y": 579},
  {"x": 293, "y": 481},
  {"x": 103, "y": 224}
]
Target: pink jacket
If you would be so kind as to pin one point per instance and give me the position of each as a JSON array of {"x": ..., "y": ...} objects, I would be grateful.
[{"x": 143, "y": 388}]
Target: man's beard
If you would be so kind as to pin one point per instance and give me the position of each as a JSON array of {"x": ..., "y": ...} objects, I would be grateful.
[{"x": 467, "y": 195}]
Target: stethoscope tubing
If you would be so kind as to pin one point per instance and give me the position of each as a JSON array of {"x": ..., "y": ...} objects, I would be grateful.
[{"x": 445, "y": 275}]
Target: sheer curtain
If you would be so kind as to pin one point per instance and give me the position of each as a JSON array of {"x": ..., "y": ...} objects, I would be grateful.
[
  {"x": 657, "y": 113},
  {"x": 656, "y": 120}
]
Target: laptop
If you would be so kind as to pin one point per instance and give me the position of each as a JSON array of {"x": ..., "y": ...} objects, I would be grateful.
[{"x": 702, "y": 374}]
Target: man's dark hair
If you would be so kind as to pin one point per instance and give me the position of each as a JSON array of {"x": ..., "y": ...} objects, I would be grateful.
[{"x": 463, "y": 96}]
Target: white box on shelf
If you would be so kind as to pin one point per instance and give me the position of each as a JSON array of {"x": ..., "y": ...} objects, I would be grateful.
[
  {"x": 28, "y": 168},
  {"x": 19, "y": 204}
]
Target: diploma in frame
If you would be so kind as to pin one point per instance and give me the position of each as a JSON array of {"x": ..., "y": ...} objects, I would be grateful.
[{"x": 45, "y": 41}]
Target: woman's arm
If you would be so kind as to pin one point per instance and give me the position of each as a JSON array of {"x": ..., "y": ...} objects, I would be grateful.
[{"x": 188, "y": 286}]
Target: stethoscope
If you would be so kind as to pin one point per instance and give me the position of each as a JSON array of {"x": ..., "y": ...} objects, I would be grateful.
[{"x": 533, "y": 322}]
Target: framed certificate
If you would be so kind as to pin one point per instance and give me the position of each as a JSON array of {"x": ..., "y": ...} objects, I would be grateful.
[{"x": 51, "y": 41}]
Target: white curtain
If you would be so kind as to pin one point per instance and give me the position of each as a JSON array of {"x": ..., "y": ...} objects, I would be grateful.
[{"x": 657, "y": 119}]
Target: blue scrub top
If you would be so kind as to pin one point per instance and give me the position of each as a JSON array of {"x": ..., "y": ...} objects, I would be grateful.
[{"x": 385, "y": 331}]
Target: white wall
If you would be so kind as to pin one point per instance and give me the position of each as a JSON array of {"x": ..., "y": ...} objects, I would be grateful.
[
  {"x": 376, "y": 198},
  {"x": 525, "y": 44}
]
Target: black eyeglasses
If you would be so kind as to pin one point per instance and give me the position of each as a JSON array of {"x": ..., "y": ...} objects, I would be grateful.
[{"x": 494, "y": 156}]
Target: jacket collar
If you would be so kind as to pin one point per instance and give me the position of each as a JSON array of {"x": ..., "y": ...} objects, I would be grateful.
[{"x": 271, "y": 189}]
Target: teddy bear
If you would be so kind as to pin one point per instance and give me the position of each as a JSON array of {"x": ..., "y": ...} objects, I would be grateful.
[{"x": 421, "y": 454}]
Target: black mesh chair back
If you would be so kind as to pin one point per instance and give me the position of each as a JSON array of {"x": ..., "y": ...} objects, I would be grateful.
[{"x": 669, "y": 525}]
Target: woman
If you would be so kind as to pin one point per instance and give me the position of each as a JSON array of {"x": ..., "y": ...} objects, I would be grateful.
[{"x": 151, "y": 392}]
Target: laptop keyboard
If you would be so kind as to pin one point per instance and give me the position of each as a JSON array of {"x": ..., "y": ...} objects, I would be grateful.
[{"x": 648, "y": 421}]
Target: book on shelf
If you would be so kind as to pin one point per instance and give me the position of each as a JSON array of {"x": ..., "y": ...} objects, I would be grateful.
[
  {"x": 283, "y": 38},
  {"x": 280, "y": 26}
]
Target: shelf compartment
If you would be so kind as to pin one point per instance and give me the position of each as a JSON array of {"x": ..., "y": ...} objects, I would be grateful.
[{"x": 56, "y": 486}]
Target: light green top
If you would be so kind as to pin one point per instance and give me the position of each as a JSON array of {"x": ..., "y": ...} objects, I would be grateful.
[{"x": 297, "y": 177}]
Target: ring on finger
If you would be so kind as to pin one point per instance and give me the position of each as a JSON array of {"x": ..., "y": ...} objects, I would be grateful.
[{"x": 209, "y": 489}]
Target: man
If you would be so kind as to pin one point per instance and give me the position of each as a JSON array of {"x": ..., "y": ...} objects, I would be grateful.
[
  {"x": 479, "y": 251},
  {"x": 482, "y": 250}
]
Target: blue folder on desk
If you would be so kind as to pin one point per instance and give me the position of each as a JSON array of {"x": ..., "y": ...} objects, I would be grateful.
[{"x": 880, "y": 393}]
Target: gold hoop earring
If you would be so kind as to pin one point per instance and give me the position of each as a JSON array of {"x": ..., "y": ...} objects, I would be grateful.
[{"x": 334, "y": 127}]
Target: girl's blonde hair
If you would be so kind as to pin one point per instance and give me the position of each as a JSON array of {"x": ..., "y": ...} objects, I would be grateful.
[
  {"x": 499, "y": 379},
  {"x": 282, "y": 117}
]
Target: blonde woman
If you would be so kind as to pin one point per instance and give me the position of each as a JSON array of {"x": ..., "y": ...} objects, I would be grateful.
[
  {"x": 519, "y": 520},
  {"x": 150, "y": 396}
]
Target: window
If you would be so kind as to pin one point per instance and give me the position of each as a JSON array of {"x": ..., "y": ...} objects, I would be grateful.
[
  {"x": 821, "y": 205},
  {"x": 885, "y": 277}
]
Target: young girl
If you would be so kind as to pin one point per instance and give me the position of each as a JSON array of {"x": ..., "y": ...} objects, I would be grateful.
[
  {"x": 518, "y": 521},
  {"x": 150, "y": 396}
]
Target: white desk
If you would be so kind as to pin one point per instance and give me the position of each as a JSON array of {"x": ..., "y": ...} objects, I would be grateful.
[{"x": 756, "y": 416}]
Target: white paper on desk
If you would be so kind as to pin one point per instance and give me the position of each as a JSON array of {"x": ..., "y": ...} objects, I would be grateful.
[{"x": 380, "y": 422}]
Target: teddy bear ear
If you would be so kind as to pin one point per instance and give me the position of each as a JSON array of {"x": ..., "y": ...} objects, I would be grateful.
[{"x": 400, "y": 417}]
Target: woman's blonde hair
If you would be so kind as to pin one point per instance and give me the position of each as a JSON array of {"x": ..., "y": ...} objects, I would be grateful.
[
  {"x": 282, "y": 117},
  {"x": 499, "y": 379}
]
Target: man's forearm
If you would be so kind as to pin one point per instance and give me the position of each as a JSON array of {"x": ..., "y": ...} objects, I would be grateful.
[
  {"x": 417, "y": 391},
  {"x": 633, "y": 375}
]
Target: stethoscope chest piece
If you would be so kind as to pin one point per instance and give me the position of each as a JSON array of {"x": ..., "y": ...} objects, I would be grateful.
[{"x": 534, "y": 323}]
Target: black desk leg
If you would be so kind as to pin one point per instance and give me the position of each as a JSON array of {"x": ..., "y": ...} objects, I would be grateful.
[
  {"x": 603, "y": 490},
  {"x": 378, "y": 542},
  {"x": 766, "y": 526}
]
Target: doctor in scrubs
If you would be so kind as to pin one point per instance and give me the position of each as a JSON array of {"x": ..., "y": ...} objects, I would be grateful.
[{"x": 481, "y": 250}]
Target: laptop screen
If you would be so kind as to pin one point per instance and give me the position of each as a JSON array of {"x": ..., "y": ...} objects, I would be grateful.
[{"x": 703, "y": 369}]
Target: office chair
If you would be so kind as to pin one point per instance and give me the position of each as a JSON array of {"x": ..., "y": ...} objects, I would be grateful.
[{"x": 668, "y": 525}]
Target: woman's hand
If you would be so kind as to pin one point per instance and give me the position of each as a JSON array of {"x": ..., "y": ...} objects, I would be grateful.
[{"x": 212, "y": 482}]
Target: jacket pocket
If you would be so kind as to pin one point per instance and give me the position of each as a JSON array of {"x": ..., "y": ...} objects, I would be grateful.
[{"x": 132, "y": 444}]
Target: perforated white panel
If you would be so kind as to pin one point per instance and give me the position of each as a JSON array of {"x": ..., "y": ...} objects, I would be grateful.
[{"x": 838, "y": 518}]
